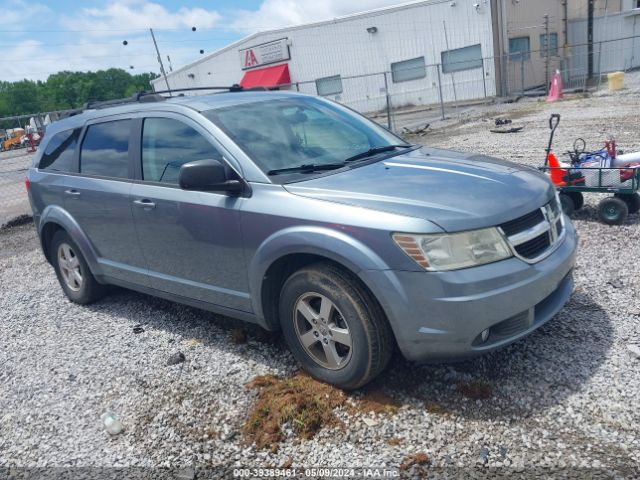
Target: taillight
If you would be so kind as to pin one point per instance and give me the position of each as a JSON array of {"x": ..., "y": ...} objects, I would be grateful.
[{"x": 27, "y": 183}]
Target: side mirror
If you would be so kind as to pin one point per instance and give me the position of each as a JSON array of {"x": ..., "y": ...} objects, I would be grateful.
[{"x": 207, "y": 176}]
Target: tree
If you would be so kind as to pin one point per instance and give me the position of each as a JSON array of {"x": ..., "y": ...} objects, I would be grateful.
[{"x": 65, "y": 90}]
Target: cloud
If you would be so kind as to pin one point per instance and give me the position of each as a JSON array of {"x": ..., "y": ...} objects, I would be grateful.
[
  {"x": 281, "y": 13},
  {"x": 19, "y": 14},
  {"x": 129, "y": 15}
]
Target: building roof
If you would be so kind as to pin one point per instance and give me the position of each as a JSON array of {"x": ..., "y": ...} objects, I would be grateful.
[{"x": 275, "y": 31}]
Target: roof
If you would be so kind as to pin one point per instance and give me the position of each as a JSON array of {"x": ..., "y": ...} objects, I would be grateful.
[
  {"x": 344, "y": 18},
  {"x": 197, "y": 103}
]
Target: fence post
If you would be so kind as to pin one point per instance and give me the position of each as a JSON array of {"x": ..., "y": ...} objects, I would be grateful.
[
  {"x": 386, "y": 91},
  {"x": 440, "y": 91},
  {"x": 547, "y": 53},
  {"x": 484, "y": 83},
  {"x": 599, "y": 64}
]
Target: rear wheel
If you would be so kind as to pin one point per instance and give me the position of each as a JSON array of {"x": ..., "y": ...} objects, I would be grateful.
[
  {"x": 613, "y": 211},
  {"x": 334, "y": 328},
  {"x": 76, "y": 280},
  {"x": 632, "y": 200}
]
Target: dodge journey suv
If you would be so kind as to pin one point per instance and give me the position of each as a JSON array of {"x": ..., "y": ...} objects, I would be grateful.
[{"x": 297, "y": 214}]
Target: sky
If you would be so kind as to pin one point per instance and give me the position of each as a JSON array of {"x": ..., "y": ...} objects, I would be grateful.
[{"x": 38, "y": 38}]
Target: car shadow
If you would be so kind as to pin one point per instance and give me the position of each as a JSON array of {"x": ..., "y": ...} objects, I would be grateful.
[
  {"x": 188, "y": 326},
  {"x": 533, "y": 374}
]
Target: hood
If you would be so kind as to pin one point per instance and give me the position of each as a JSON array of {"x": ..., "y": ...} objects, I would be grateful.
[{"x": 455, "y": 190}]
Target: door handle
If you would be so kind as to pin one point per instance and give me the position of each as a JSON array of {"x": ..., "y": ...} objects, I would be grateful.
[
  {"x": 72, "y": 192},
  {"x": 146, "y": 204}
]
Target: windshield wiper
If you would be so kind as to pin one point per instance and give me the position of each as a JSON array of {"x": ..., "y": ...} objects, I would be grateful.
[
  {"x": 375, "y": 150},
  {"x": 307, "y": 167}
]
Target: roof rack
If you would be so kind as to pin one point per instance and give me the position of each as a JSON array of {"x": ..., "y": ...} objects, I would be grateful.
[
  {"x": 233, "y": 88},
  {"x": 147, "y": 97},
  {"x": 140, "y": 97}
]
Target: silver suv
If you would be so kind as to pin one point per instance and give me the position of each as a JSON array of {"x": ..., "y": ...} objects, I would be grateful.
[{"x": 298, "y": 214}]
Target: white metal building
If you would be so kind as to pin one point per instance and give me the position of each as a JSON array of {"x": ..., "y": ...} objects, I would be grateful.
[
  {"x": 425, "y": 52},
  {"x": 408, "y": 41}
]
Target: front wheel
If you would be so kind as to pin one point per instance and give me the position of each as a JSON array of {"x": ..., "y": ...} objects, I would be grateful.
[
  {"x": 335, "y": 329},
  {"x": 568, "y": 204}
]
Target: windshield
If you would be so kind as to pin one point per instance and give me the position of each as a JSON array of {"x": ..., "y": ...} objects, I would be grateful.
[{"x": 300, "y": 131}]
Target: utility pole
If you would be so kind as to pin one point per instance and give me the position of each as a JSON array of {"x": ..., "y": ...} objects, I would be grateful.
[
  {"x": 547, "y": 51},
  {"x": 164, "y": 73},
  {"x": 590, "y": 8}
]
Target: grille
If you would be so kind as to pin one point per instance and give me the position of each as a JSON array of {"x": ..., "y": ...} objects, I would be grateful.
[
  {"x": 535, "y": 246},
  {"x": 522, "y": 223},
  {"x": 536, "y": 232},
  {"x": 513, "y": 325}
]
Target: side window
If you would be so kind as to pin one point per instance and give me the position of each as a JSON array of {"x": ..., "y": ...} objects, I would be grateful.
[
  {"x": 519, "y": 48},
  {"x": 408, "y": 70},
  {"x": 167, "y": 144},
  {"x": 58, "y": 155},
  {"x": 105, "y": 149}
]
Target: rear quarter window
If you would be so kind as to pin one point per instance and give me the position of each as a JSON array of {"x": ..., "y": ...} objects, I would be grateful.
[
  {"x": 59, "y": 151},
  {"x": 105, "y": 149}
]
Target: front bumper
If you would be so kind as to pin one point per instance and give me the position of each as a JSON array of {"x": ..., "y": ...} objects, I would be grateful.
[{"x": 440, "y": 315}]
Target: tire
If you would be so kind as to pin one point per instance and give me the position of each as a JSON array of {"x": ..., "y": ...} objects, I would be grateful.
[
  {"x": 354, "y": 317},
  {"x": 74, "y": 275},
  {"x": 632, "y": 200},
  {"x": 578, "y": 199},
  {"x": 567, "y": 203},
  {"x": 613, "y": 211}
]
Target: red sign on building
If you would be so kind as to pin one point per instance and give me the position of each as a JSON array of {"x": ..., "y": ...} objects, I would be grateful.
[{"x": 264, "y": 54}]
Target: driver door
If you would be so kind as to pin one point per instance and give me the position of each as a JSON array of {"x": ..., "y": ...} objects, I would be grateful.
[{"x": 191, "y": 240}]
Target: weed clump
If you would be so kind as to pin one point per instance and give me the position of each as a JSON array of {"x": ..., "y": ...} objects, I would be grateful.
[{"x": 300, "y": 401}]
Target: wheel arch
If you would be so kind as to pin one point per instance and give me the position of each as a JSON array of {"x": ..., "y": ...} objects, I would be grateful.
[
  {"x": 289, "y": 250},
  {"x": 55, "y": 218}
]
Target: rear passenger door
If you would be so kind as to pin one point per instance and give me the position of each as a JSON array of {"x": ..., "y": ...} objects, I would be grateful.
[
  {"x": 98, "y": 198},
  {"x": 191, "y": 240},
  {"x": 57, "y": 160}
]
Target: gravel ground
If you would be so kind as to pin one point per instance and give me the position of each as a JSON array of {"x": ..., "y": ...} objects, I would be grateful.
[
  {"x": 13, "y": 197},
  {"x": 562, "y": 401}
]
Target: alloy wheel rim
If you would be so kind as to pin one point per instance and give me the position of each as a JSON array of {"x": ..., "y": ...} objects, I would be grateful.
[
  {"x": 322, "y": 331},
  {"x": 70, "y": 267}
]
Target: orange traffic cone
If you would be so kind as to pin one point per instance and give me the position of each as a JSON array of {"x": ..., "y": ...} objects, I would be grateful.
[
  {"x": 555, "y": 89},
  {"x": 556, "y": 171}
]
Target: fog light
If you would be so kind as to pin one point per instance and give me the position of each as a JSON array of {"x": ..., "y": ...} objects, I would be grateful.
[{"x": 484, "y": 336}]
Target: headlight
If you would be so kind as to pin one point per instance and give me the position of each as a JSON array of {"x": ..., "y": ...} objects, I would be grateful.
[{"x": 444, "y": 251}]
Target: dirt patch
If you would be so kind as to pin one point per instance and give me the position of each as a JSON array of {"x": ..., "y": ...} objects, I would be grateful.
[
  {"x": 416, "y": 459},
  {"x": 238, "y": 336},
  {"x": 376, "y": 401},
  {"x": 16, "y": 222},
  {"x": 301, "y": 402},
  {"x": 476, "y": 390},
  {"x": 435, "y": 408}
]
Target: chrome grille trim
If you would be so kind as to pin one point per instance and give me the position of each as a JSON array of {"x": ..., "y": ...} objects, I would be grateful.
[{"x": 552, "y": 226}]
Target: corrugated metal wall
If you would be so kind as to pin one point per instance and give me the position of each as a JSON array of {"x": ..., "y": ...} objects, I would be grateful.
[
  {"x": 609, "y": 54},
  {"x": 345, "y": 48}
]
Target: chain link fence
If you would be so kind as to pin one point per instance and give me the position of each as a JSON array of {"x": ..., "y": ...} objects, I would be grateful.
[{"x": 13, "y": 195}]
